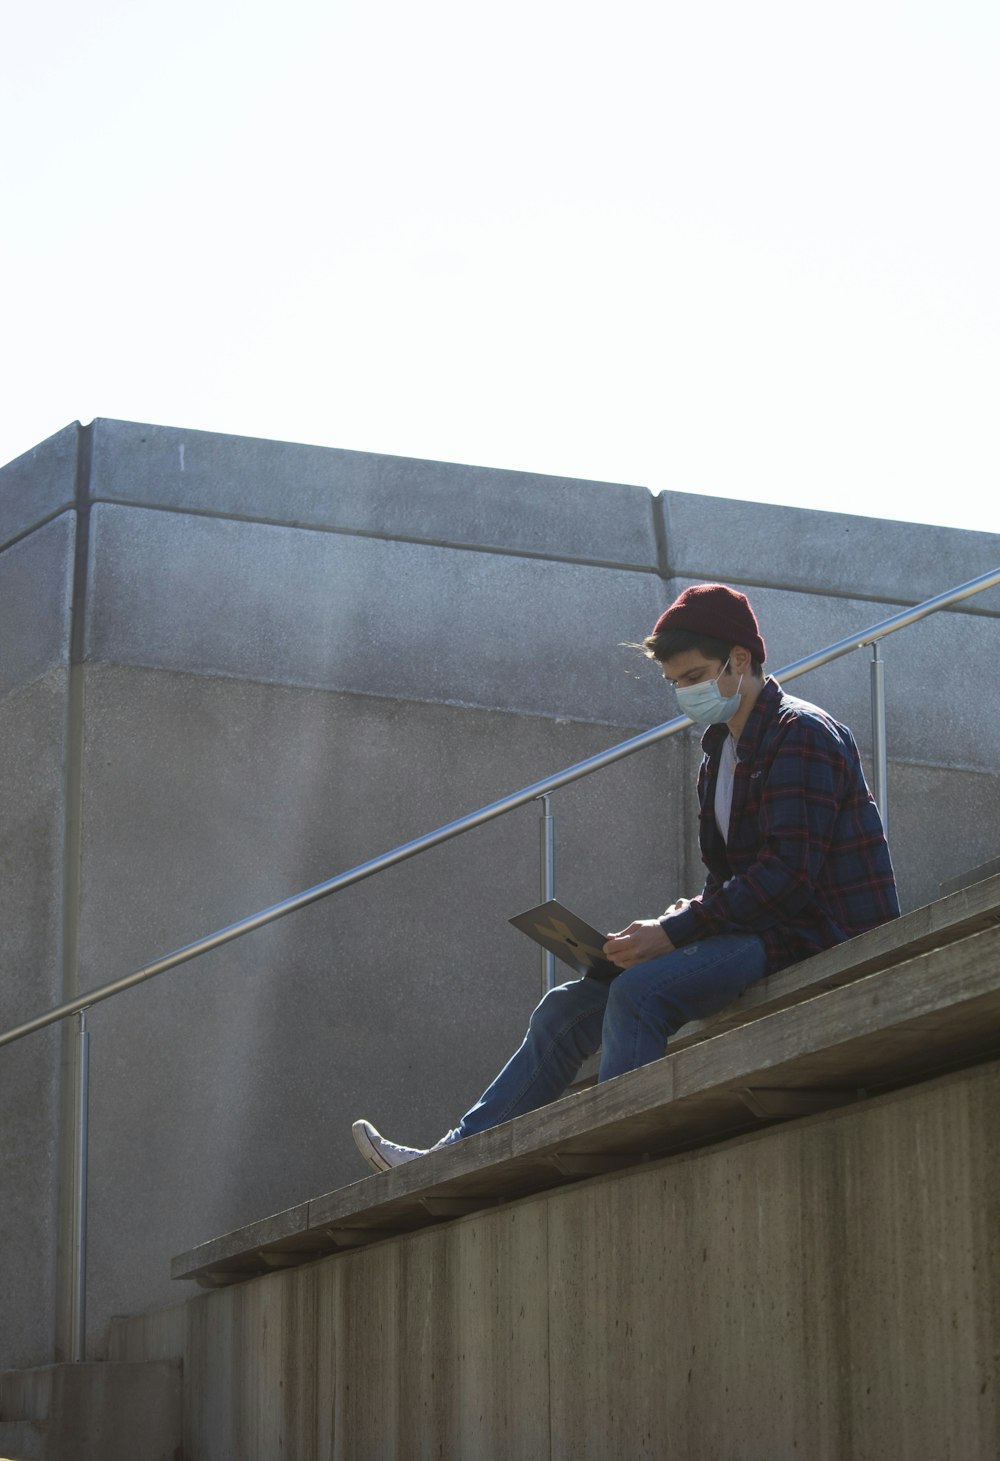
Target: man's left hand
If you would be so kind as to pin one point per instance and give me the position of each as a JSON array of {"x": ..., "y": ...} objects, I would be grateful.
[{"x": 642, "y": 940}]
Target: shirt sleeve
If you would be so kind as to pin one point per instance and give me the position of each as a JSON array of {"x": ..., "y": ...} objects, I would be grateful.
[{"x": 799, "y": 804}]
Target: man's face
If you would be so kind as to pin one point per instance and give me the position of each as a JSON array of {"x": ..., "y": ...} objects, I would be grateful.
[{"x": 691, "y": 667}]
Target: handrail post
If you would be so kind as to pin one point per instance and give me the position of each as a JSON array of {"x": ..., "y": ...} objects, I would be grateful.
[
  {"x": 879, "y": 751},
  {"x": 78, "y": 1248},
  {"x": 548, "y": 881}
]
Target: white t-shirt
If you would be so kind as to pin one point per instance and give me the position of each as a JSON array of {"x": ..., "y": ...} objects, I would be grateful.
[{"x": 724, "y": 786}]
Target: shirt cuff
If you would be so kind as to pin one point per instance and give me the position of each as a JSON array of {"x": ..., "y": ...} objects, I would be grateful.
[{"x": 683, "y": 927}]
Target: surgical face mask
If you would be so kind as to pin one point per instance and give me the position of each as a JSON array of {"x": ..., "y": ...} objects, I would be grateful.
[{"x": 705, "y": 702}]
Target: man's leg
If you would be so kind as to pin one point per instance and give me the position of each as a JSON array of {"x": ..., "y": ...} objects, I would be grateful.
[
  {"x": 563, "y": 1030},
  {"x": 651, "y": 1001}
]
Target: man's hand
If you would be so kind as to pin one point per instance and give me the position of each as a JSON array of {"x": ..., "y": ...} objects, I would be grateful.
[{"x": 642, "y": 940}]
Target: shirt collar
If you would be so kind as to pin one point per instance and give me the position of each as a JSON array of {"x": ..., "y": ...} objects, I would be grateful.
[{"x": 765, "y": 703}]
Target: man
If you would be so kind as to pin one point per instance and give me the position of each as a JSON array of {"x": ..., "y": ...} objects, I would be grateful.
[{"x": 796, "y": 857}]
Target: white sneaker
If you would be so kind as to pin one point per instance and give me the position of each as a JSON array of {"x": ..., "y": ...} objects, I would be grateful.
[{"x": 381, "y": 1155}]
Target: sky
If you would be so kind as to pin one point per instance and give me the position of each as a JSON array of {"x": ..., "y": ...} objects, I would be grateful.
[{"x": 748, "y": 250}]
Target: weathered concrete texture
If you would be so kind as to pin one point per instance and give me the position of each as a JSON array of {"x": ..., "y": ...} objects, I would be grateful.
[
  {"x": 828, "y": 1288},
  {"x": 972, "y": 876},
  {"x": 943, "y": 823},
  {"x": 376, "y": 617},
  {"x": 95, "y": 1412},
  {"x": 358, "y": 492},
  {"x": 454, "y": 1322},
  {"x": 826, "y": 1291},
  {"x": 427, "y": 623},
  {"x": 822, "y": 552},
  {"x": 36, "y": 592},
  {"x": 231, "y": 1085},
  {"x": 28, "y": 1218},
  {"x": 39, "y": 484},
  {"x": 32, "y": 735}
]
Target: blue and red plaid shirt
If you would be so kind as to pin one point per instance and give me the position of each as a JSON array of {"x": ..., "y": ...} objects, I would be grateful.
[{"x": 806, "y": 864}]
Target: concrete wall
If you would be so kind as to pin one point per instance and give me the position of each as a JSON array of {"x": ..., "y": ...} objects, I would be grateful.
[
  {"x": 36, "y": 578},
  {"x": 286, "y": 660},
  {"x": 826, "y": 1289}
]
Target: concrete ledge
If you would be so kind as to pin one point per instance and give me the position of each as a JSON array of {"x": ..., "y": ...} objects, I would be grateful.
[
  {"x": 894, "y": 1026},
  {"x": 834, "y": 553},
  {"x": 39, "y": 484},
  {"x": 361, "y": 492},
  {"x": 987, "y": 872}
]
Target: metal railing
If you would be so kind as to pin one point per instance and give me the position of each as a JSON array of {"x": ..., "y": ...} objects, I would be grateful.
[{"x": 538, "y": 791}]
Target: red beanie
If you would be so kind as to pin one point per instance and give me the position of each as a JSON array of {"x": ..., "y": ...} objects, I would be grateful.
[{"x": 718, "y": 612}]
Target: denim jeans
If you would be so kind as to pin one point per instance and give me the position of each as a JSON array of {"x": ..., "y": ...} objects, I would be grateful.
[{"x": 629, "y": 1020}]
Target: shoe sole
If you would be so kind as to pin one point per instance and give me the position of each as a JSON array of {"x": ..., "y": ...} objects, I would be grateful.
[{"x": 368, "y": 1149}]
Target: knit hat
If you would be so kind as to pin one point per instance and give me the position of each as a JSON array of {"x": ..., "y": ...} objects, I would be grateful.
[{"x": 718, "y": 612}]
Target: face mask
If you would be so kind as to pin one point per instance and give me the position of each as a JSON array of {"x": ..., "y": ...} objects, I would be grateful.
[{"x": 705, "y": 703}]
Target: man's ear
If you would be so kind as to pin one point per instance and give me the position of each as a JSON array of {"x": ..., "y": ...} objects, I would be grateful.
[{"x": 740, "y": 659}]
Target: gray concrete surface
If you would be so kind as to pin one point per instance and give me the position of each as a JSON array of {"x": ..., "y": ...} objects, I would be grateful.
[
  {"x": 817, "y": 552},
  {"x": 360, "y": 492},
  {"x": 410, "y": 621},
  {"x": 825, "y": 1289},
  {"x": 32, "y": 804},
  {"x": 93, "y": 1412},
  {"x": 39, "y": 484},
  {"x": 296, "y": 658},
  {"x": 36, "y": 590},
  {"x": 261, "y": 602}
]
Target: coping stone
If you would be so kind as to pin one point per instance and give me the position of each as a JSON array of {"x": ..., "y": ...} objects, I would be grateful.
[
  {"x": 823, "y": 552},
  {"x": 36, "y": 594},
  {"x": 364, "y": 492},
  {"x": 38, "y": 483},
  {"x": 371, "y": 616}
]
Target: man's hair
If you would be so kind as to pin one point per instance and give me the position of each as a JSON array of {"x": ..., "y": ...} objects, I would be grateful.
[{"x": 668, "y": 642}]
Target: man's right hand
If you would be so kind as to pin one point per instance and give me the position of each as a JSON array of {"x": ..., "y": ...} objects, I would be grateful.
[{"x": 644, "y": 939}]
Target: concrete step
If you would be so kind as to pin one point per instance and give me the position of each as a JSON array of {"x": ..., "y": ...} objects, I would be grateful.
[
  {"x": 975, "y": 875},
  {"x": 899, "y": 1005},
  {"x": 102, "y": 1411},
  {"x": 23, "y": 1440}
]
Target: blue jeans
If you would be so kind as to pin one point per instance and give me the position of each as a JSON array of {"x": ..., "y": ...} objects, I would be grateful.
[{"x": 629, "y": 1020}]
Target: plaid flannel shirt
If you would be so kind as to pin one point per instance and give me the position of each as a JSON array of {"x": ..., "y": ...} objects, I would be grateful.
[{"x": 806, "y": 864}]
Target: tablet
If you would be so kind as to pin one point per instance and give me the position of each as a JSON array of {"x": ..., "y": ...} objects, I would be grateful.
[{"x": 567, "y": 936}]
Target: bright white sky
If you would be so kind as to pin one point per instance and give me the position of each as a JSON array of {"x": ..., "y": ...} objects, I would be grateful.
[{"x": 748, "y": 249}]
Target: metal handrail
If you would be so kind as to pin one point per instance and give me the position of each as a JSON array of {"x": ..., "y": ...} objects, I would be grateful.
[
  {"x": 540, "y": 790},
  {"x": 488, "y": 813}
]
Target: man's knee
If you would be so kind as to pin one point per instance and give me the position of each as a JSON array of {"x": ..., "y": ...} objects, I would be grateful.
[
  {"x": 634, "y": 986},
  {"x": 560, "y": 1006}
]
